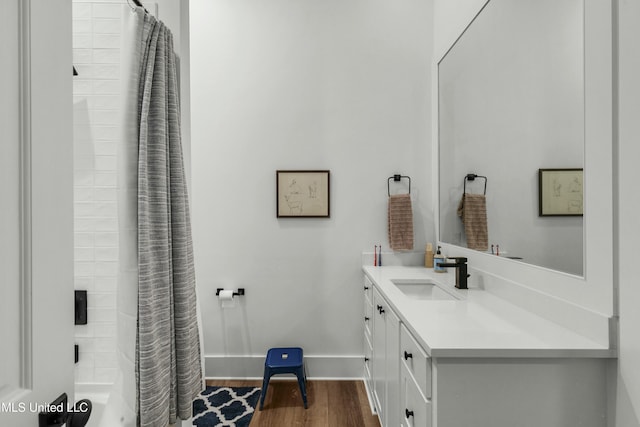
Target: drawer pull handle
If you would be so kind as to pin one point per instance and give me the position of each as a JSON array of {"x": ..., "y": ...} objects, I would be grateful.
[
  {"x": 408, "y": 413},
  {"x": 379, "y": 307},
  {"x": 407, "y": 356},
  {"x": 381, "y": 310},
  {"x": 366, "y": 288},
  {"x": 366, "y": 319},
  {"x": 366, "y": 359}
]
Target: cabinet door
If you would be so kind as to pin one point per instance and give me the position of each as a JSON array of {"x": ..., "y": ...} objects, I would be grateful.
[
  {"x": 415, "y": 410},
  {"x": 392, "y": 324},
  {"x": 379, "y": 355}
]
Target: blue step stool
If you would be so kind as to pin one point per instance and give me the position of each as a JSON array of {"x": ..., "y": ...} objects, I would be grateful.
[{"x": 286, "y": 360}]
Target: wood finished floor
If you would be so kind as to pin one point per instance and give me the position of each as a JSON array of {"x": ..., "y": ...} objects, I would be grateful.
[{"x": 330, "y": 404}]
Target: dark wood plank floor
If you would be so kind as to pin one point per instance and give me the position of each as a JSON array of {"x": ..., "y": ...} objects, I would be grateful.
[{"x": 330, "y": 404}]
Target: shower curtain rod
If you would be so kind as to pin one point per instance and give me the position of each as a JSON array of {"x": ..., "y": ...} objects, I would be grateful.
[{"x": 139, "y": 4}]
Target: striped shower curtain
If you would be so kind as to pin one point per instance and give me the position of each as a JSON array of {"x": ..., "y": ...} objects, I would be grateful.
[{"x": 160, "y": 364}]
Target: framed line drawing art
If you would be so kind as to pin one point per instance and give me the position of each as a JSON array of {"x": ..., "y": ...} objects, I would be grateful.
[
  {"x": 560, "y": 192},
  {"x": 302, "y": 193}
]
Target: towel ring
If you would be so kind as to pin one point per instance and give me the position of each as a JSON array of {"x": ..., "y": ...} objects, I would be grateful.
[
  {"x": 397, "y": 178},
  {"x": 472, "y": 177}
]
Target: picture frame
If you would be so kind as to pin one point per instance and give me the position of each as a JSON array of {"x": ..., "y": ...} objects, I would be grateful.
[
  {"x": 302, "y": 194},
  {"x": 560, "y": 192}
]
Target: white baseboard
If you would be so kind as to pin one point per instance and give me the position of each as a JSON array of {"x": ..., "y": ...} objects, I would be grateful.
[{"x": 252, "y": 367}]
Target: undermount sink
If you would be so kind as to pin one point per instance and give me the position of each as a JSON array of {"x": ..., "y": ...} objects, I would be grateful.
[{"x": 423, "y": 290}]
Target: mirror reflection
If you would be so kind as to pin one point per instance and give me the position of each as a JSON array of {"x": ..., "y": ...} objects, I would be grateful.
[{"x": 511, "y": 102}]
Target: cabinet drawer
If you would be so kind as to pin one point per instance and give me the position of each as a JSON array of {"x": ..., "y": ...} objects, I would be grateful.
[
  {"x": 416, "y": 361},
  {"x": 367, "y": 317},
  {"x": 368, "y": 289},
  {"x": 416, "y": 411}
]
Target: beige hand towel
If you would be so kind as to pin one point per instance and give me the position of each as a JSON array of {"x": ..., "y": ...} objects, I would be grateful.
[
  {"x": 400, "y": 222},
  {"x": 473, "y": 211}
]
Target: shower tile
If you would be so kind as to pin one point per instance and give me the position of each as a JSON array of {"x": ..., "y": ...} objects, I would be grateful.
[
  {"x": 105, "y": 375},
  {"x": 104, "y": 132},
  {"x": 83, "y": 194},
  {"x": 84, "y": 375},
  {"x": 84, "y": 209},
  {"x": 105, "y": 148},
  {"x": 96, "y": 36},
  {"x": 106, "y": 26},
  {"x": 106, "y": 179},
  {"x": 106, "y": 360},
  {"x": 84, "y": 269},
  {"x": 106, "y": 254},
  {"x": 82, "y": 41},
  {"x": 103, "y": 117},
  {"x": 105, "y": 163},
  {"x": 105, "y": 56},
  {"x": 107, "y": 194},
  {"x": 82, "y": 87},
  {"x": 106, "y": 284},
  {"x": 107, "y": 71},
  {"x": 82, "y": 56},
  {"x": 106, "y": 10},
  {"x": 103, "y": 300},
  {"x": 81, "y": 10},
  {"x": 83, "y": 283},
  {"x": 84, "y": 254},
  {"x": 104, "y": 102},
  {"x": 102, "y": 315},
  {"x": 84, "y": 224},
  {"x": 83, "y": 240},
  {"x": 81, "y": 26},
  {"x": 104, "y": 330},
  {"x": 106, "y": 239},
  {"x": 105, "y": 345},
  {"x": 107, "y": 41},
  {"x": 106, "y": 268},
  {"x": 107, "y": 208},
  {"x": 84, "y": 331},
  {"x": 106, "y": 87},
  {"x": 105, "y": 224}
]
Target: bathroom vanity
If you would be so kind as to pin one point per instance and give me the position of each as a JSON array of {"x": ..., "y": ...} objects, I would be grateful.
[{"x": 437, "y": 356}]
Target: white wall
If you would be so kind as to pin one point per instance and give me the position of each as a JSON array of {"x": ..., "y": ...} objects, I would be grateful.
[
  {"x": 339, "y": 85},
  {"x": 628, "y": 230}
]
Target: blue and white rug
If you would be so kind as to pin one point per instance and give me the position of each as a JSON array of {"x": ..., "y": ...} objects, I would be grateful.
[{"x": 225, "y": 406}]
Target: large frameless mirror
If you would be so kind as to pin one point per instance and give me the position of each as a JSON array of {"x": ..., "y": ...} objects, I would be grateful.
[{"x": 511, "y": 103}]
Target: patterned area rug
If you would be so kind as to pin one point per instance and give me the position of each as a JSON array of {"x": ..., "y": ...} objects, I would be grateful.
[{"x": 225, "y": 406}]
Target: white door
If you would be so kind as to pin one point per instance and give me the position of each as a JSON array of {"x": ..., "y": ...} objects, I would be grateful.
[{"x": 36, "y": 208}]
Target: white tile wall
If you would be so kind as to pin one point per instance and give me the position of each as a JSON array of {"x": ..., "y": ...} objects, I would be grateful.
[{"x": 96, "y": 56}]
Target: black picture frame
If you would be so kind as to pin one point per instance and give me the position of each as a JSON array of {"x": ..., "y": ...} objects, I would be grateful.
[
  {"x": 303, "y": 194},
  {"x": 560, "y": 192}
]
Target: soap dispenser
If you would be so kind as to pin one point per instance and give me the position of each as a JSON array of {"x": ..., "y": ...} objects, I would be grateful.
[
  {"x": 438, "y": 259},
  {"x": 428, "y": 256}
]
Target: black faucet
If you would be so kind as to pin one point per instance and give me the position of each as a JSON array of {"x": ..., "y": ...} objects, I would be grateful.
[{"x": 461, "y": 271}]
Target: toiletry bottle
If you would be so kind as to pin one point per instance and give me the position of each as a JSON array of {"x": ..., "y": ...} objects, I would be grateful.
[
  {"x": 438, "y": 259},
  {"x": 428, "y": 256}
]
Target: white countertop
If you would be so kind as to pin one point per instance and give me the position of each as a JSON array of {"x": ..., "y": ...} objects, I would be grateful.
[{"x": 479, "y": 324}]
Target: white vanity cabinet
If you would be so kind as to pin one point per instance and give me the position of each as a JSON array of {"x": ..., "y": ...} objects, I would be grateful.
[
  {"x": 381, "y": 362},
  {"x": 456, "y": 363}
]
